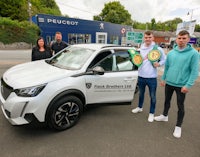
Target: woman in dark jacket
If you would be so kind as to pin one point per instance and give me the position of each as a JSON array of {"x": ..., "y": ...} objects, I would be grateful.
[{"x": 41, "y": 51}]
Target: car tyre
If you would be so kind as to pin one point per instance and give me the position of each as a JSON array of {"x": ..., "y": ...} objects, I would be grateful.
[{"x": 64, "y": 113}]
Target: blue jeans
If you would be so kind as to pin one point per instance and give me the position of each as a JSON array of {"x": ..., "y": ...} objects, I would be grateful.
[{"x": 152, "y": 85}]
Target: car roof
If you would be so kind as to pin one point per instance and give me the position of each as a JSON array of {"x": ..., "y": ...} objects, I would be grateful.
[{"x": 95, "y": 46}]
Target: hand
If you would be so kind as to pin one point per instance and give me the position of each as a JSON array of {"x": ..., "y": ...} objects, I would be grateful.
[
  {"x": 156, "y": 64},
  {"x": 162, "y": 83},
  {"x": 184, "y": 90}
]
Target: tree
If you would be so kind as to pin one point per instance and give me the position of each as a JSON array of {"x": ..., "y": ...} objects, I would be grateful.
[
  {"x": 138, "y": 25},
  {"x": 171, "y": 25},
  {"x": 45, "y": 7},
  {"x": 49, "y": 4},
  {"x": 114, "y": 12},
  {"x": 197, "y": 28},
  {"x": 18, "y": 9},
  {"x": 14, "y": 9},
  {"x": 153, "y": 24}
]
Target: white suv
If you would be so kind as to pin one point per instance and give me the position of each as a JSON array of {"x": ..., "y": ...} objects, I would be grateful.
[{"x": 56, "y": 90}]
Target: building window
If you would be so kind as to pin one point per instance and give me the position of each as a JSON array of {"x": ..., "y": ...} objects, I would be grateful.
[
  {"x": 101, "y": 37},
  {"x": 48, "y": 39},
  {"x": 79, "y": 38},
  {"x": 114, "y": 40}
]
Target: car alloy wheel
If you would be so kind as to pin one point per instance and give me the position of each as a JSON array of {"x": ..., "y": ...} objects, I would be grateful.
[{"x": 65, "y": 113}]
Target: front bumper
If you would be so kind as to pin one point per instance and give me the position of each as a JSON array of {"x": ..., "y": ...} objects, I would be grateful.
[
  {"x": 14, "y": 109},
  {"x": 23, "y": 110}
]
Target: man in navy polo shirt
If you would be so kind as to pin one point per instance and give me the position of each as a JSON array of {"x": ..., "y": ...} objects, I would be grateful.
[{"x": 58, "y": 44}]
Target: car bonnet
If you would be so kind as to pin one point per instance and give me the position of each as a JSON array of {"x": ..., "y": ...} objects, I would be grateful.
[{"x": 34, "y": 73}]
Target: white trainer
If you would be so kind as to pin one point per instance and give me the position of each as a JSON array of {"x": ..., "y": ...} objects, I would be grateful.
[
  {"x": 151, "y": 117},
  {"x": 137, "y": 109},
  {"x": 177, "y": 132},
  {"x": 161, "y": 118}
]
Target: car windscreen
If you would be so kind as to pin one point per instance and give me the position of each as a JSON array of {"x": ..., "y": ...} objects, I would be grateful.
[{"x": 71, "y": 58}]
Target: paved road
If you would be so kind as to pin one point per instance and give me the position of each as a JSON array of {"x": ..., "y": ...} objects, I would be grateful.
[
  {"x": 9, "y": 58},
  {"x": 105, "y": 131}
]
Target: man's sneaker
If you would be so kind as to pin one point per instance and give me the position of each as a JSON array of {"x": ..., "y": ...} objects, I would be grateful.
[
  {"x": 161, "y": 118},
  {"x": 151, "y": 117},
  {"x": 137, "y": 109},
  {"x": 177, "y": 132}
]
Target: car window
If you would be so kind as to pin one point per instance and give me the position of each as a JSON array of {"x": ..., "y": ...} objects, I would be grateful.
[
  {"x": 123, "y": 61},
  {"x": 106, "y": 63},
  {"x": 72, "y": 58},
  {"x": 118, "y": 61},
  {"x": 99, "y": 57}
]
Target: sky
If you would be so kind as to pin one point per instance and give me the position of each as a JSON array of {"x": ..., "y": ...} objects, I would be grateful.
[{"x": 141, "y": 10}]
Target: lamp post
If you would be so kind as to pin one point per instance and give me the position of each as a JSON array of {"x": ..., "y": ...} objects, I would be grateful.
[{"x": 191, "y": 14}]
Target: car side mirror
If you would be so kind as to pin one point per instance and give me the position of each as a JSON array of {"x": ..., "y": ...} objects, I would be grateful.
[{"x": 98, "y": 70}]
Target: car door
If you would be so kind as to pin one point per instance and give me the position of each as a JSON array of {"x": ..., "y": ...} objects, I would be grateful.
[{"x": 117, "y": 84}]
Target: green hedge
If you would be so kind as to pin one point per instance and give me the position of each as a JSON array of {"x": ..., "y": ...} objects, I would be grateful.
[{"x": 12, "y": 31}]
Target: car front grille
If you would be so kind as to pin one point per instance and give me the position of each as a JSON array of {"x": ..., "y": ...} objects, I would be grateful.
[{"x": 5, "y": 89}]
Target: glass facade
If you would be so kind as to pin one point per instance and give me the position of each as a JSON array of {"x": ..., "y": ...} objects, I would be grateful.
[
  {"x": 79, "y": 38},
  {"x": 114, "y": 39}
]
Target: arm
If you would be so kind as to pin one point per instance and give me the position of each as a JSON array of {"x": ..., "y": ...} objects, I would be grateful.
[
  {"x": 50, "y": 54},
  {"x": 194, "y": 68},
  {"x": 33, "y": 54},
  {"x": 163, "y": 57},
  {"x": 65, "y": 44},
  {"x": 184, "y": 90},
  {"x": 165, "y": 69},
  {"x": 161, "y": 60},
  {"x": 52, "y": 46}
]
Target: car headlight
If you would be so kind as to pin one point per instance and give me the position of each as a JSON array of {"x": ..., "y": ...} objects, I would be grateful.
[{"x": 29, "y": 91}]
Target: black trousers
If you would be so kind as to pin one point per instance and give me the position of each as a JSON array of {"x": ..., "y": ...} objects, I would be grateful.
[{"x": 180, "y": 102}]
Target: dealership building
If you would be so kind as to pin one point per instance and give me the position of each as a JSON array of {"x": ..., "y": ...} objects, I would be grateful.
[{"x": 76, "y": 31}]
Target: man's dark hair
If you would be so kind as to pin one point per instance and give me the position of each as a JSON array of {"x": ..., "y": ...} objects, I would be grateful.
[
  {"x": 184, "y": 32},
  {"x": 148, "y": 32},
  {"x": 58, "y": 33}
]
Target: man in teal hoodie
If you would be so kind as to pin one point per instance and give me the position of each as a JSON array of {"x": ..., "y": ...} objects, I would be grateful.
[{"x": 181, "y": 71}]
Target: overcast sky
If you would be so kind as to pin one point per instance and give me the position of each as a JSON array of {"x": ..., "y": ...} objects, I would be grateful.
[{"x": 140, "y": 10}]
